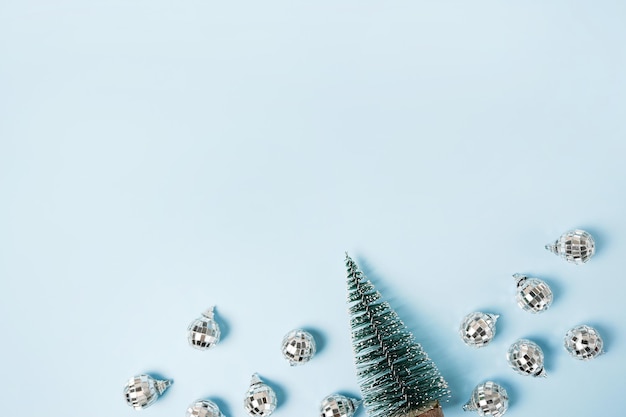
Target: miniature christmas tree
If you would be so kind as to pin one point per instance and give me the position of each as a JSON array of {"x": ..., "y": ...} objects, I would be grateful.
[{"x": 396, "y": 376}]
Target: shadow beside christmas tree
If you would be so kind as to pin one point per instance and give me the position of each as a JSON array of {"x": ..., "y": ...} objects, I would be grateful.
[{"x": 447, "y": 361}]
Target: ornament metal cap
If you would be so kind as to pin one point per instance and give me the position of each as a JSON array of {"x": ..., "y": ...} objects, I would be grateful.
[
  {"x": 210, "y": 313},
  {"x": 353, "y": 402},
  {"x": 162, "y": 385},
  {"x": 519, "y": 278},
  {"x": 469, "y": 406},
  {"x": 255, "y": 379}
]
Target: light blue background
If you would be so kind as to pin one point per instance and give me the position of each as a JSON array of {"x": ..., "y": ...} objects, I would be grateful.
[{"x": 160, "y": 157}]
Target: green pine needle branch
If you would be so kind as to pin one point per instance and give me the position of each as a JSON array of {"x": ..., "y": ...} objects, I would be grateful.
[{"x": 396, "y": 376}]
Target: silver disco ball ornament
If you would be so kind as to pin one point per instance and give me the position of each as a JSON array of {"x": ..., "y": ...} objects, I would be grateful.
[
  {"x": 526, "y": 358},
  {"x": 575, "y": 246},
  {"x": 142, "y": 391},
  {"x": 338, "y": 406},
  {"x": 260, "y": 399},
  {"x": 533, "y": 295},
  {"x": 478, "y": 329},
  {"x": 204, "y": 332},
  {"x": 583, "y": 342},
  {"x": 203, "y": 408},
  {"x": 298, "y": 347},
  {"x": 488, "y": 399}
]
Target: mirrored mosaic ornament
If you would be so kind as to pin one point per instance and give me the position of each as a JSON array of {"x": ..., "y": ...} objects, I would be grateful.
[
  {"x": 298, "y": 347},
  {"x": 575, "y": 246},
  {"x": 533, "y": 295},
  {"x": 203, "y": 408},
  {"x": 142, "y": 391},
  {"x": 338, "y": 406},
  {"x": 260, "y": 399},
  {"x": 478, "y": 329},
  {"x": 526, "y": 358},
  {"x": 204, "y": 332},
  {"x": 584, "y": 342},
  {"x": 488, "y": 399}
]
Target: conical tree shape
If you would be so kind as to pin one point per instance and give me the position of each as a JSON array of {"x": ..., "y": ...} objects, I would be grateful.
[{"x": 396, "y": 376}]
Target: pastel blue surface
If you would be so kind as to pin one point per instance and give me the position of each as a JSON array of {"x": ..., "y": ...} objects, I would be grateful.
[{"x": 157, "y": 158}]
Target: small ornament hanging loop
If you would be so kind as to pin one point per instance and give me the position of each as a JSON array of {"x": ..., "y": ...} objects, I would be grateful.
[
  {"x": 142, "y": 391},
  {"x": 575, "y": 246},
  {"x": 533, "y": 295},
  {"x": 204, "y": 332}
]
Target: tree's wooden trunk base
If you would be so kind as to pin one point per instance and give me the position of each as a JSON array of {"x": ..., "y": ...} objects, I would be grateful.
[{"x": 433, "y": 411}]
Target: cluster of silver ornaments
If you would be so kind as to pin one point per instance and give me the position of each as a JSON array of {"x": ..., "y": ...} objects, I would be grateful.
[
  {"x": 488, "y": 399},
  {"x": 583, "y": 342},
  {"x": 204, "y": 332},
  {"x": 533, "y": 295},
  {"x": 260, "y": 400},
  {"x": 337, "y": 405},
  {"x": 142, "y": 391},
  {"x": 203, "y": 408},
  {"x": 478, "y": 329},
  {"x": 575, "y": 246},
  {"x": 298, "y": 347},
  {"x": 526, "y": 358}
]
